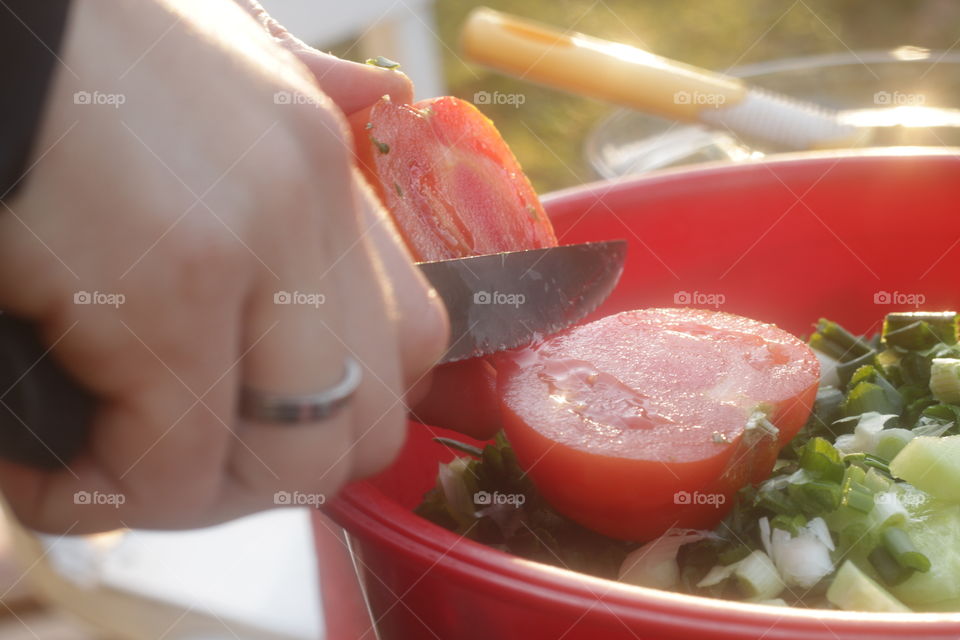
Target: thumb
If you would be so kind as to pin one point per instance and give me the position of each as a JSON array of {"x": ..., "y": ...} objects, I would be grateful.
[{"x": 351, "y": 85}]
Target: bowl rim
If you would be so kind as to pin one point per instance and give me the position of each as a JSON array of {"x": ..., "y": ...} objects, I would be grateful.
[
  {"x": 368, "y": 514},
  {"x": 715, "y": 167}
]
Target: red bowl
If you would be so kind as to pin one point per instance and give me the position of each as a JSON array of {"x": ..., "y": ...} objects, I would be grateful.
[{"x": 850, "y": 237}]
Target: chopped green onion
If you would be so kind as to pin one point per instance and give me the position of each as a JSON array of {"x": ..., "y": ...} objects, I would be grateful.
[
  {"x": 382, "y": 62},
  {"x": 866, "y": 433},
  {"x": 890, "y": 571},
  {"x": 857, "y": 497},
  {"x": 837, "y": 342},
  {"x": 888, "y": 510},
  {"x": 776, "y": 501},
  {"x": 892, "y": 441},
  {"x": 855, "y": 474},
  {"x": 826, "y": 408},
  {"x": 820, "y": 459},
  {"x": 858, "y": 534},
  {"x": 793, "y": 523},
  {"x": 867, "y": 397},
  {"x": 457, "y": 445},
  {"x": 902, "y": 549},
  {"x": 916, "y": 331},
  {"x": 812, "y": 496},
  {"x": 845, "y": 370},
  {"x": 915, "y": 369},
  {"x": 870, "y": 373},
  {"x": 945, "y": 380},
  {"x": 876, "y": 481},
  {"x": 758, "y": 577},
  {"x": 872, "y": 461},
  {"x": 937, "y": 419},
  {"x": 382, "y": 147},
  {"x": 888, "y": 359}
]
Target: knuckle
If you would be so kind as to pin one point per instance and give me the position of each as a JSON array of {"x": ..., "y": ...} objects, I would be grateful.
[{"x": 204, "y": 264}]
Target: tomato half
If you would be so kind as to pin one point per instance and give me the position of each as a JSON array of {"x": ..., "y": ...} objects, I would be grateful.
[
  {"x": 637, "y": 422},
  {"x": 453, "y": 189}
]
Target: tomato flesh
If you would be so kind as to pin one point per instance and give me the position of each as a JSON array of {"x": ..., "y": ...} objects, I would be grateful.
[
  {"x": 451, "y": 183},
  {"x": 637, "y": 422}
]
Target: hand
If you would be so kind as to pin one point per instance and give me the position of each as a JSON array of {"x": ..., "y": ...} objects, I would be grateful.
[
  {"x": 200, "y": 174},
  {"x": 352, "y": 86}
]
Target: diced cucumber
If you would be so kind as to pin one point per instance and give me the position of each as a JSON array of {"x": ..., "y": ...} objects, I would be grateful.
[
  {"x": 758, "y": 577},
  {"x": 935, "y": 532},
  {"x": 931, "y": 465},
  {"x": 853, "y": 590}
]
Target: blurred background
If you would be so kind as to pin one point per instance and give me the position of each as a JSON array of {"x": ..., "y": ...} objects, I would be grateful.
[{"x": 548, "y": 133}]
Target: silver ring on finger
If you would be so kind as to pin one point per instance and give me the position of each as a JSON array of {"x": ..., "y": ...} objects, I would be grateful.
[{"x": 290, "y": 409}]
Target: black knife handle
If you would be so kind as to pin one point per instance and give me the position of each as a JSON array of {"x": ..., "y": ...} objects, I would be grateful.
[{"x": 45, "y": 414}]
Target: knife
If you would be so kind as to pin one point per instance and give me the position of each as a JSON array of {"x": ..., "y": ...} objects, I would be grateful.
[{"x": 494, "y": 302}]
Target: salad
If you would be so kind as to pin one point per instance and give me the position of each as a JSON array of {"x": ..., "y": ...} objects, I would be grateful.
[{"x": 860, "y": 510}]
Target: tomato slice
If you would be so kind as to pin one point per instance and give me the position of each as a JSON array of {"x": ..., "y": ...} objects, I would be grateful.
[
  {"x": 637, "y": 422},
  {"x": 450, "y": 181},
  {"x": 454, "y": 189}
]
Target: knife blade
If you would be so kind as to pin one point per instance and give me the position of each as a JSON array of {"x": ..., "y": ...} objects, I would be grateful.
[
  {"x": 494, "y": 302},
  {"x": 505, "y": 300}
]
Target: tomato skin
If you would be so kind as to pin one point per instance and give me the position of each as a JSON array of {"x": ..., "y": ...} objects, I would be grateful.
[
  {"x": 453, "y": 189},
  {"x": 688, "y": 377},
  {"x": 463, "y": 397}
]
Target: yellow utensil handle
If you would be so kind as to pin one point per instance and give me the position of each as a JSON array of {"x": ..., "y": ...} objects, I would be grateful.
[{"x": 593, "y": 67}]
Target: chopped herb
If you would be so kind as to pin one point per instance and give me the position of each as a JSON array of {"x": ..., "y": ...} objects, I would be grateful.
[
  {"x": 383, "y": 147},
  {"x": 384, "y": 63}
]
